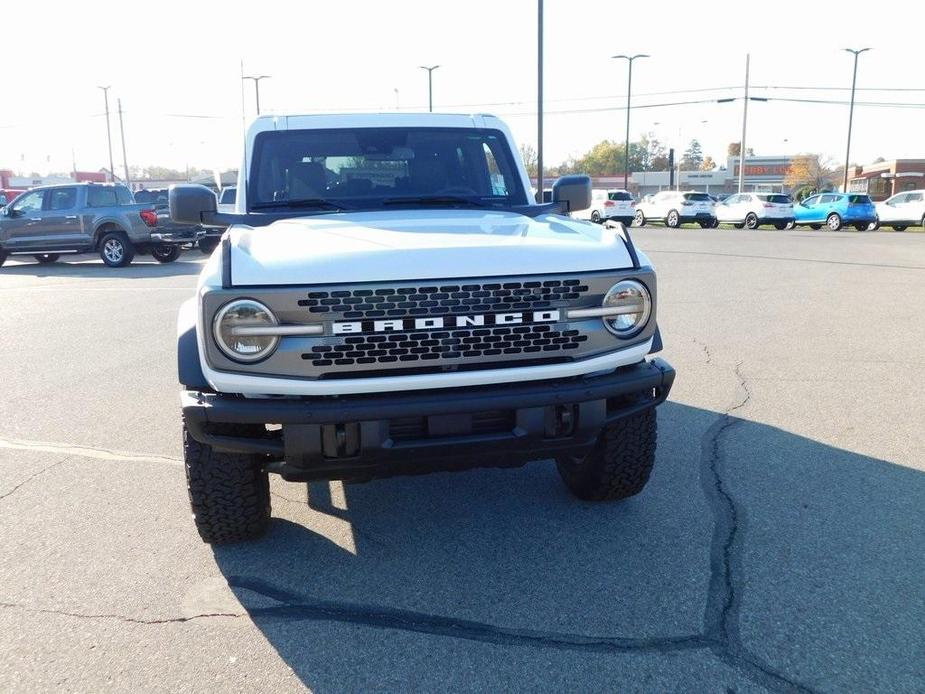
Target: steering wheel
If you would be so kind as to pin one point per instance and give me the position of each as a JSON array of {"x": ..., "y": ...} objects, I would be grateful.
[{"x": 456, "y": 190}]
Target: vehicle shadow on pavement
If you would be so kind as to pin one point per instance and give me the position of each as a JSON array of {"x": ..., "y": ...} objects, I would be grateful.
[
  {"x": 91, "y": 267},
  {"x": 754, "y": 557}
]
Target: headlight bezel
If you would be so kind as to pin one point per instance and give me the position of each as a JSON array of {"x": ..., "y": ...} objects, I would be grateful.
[
  {"x": 226, "y": 349},
  {"x": 646, "y": 309}
]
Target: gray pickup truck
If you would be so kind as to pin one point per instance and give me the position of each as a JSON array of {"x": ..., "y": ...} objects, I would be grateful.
[{"x": 85, "y": 217}]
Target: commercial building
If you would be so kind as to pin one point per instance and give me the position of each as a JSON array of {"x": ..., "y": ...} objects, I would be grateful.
[
  {"x": 762, "y": 174},
  {"x": 886, "y": 178}
]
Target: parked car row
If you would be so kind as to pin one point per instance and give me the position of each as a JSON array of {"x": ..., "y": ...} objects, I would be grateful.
[{"x": 833, "y": 211}]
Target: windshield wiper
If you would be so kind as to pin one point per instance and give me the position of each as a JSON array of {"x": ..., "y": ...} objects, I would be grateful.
[
  {"x": 435, "y": 200},
  {"x": 320, "y": 203}
]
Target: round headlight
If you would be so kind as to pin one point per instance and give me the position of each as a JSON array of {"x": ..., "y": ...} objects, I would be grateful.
[
  {"x": 634, "y": 305},
  {"x": 237, "y": 329}
]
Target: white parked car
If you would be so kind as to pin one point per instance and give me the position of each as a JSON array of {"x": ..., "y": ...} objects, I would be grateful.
[
  {"x": 901, "y": 211},
  {"x": 751, "y": 210},
  {"x": 616, "y": 204},
  {"x": 675, "y": 207}
]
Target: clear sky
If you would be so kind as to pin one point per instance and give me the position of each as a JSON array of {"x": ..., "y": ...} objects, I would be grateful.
[{"x": 176, "y": 68}]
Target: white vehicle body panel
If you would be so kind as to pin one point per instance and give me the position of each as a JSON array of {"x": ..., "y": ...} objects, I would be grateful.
[
  {"x": 906, "y": 208},
  {"x": 663, "y": 202},
  {"x": 403, "y": 244},
  {"x": 419, "y": 244},
  {"x": 607, "y": 208},
  {"x": 737, "y": 207}
]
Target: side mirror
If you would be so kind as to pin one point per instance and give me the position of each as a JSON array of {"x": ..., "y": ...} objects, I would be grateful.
[
  {"x": 572, "y": 192},
  {"x": 189, "y": 202}
]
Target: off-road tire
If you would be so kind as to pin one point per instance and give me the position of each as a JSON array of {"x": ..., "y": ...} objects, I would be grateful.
[
  {"x": 228, "y": 492},
  {"x": 620, "y": 463},
  {"x": 673, "y": 220},
  {"x": 751, "y": 221},
  {"x": 166, "y": 254},
  {"x": 206, "y": 246},
  {"x": 46, "y": 258},
  {"x": 128, "y": 250}
]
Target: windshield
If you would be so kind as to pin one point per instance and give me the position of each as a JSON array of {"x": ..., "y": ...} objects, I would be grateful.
[{"x": 364, "y": 168}]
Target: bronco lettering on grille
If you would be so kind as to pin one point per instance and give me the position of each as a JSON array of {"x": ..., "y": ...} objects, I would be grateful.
[{"x": 399, "y": 324}]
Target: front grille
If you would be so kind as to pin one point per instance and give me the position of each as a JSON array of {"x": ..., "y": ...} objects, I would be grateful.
[
  {"x": 433, "y": 346},
  {"x": 440, "y": 300},
  {"x": 365, "y": 351}
]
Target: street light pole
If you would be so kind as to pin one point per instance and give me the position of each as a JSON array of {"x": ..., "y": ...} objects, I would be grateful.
[
  {"x": 112, "y": 171},
  {"x": 744, "y": 127},
  {"x": 128, "y": 181},
  {"x": 629, "y": 90},
  {"x": 256, "y": 79},
  {"x": 540, "y": 198},
  {"x": 430, "y": 85},
  {"x": 854, "y": 79}
]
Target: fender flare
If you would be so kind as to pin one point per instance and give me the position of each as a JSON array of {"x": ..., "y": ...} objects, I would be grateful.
[{"x": 189, "y": 368}]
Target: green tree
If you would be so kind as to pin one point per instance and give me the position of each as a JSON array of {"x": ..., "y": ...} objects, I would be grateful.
[{"x": 692, "y": 160}]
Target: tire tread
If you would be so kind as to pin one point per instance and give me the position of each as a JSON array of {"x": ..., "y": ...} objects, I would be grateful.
[{"x": 228, "y": 492}]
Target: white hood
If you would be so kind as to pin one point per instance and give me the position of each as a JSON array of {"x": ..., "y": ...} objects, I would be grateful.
[{"x": 419, "y": 244}]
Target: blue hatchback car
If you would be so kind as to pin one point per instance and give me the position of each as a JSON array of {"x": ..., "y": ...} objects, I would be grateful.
[{"x": 835, "y": 210}]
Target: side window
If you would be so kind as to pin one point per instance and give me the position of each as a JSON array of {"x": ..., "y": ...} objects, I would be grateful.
[
  {"x": 914, "y": 197},
  {"x": 732, "y": 199},
  {"x": 61, "y": 199},
  {"x": 123, "y": 196},
  {"x": 29, "y": 203},
  {"x": 828, "y": 199},
  {"x": 498, "y": 186},
  {"x": 101, "y": 196},
  {"x": 899, "y": 199}
]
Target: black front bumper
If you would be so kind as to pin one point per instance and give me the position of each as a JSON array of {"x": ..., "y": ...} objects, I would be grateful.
[{"x": 377, "y": 435}]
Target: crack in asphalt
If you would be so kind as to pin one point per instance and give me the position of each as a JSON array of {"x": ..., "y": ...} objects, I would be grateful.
[
  {"x": 724, "y": 596},
  {"x": 84, "y": 451},
  {"x": 32, "y": 477},
  {"x": 293, "y": 606},
  {"x": 118, "y": 617}
]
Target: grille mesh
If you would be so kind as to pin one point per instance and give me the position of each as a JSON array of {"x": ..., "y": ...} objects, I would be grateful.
[
  {"x": 439, "y": 300},
  {"x": 439, "y": 345}
]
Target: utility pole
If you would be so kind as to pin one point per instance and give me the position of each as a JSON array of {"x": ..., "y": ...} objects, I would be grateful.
[
  {"x": 629, "y": 90},
  {"x": 112, "y": 170},
  {"x": 854, "y": 79},
  {"x": 128, "y": 180},
  {"x": 540, "y": 197},
  {"x": 744, "y": 127},
  {"x": 397, "y": 103},
  {"x": 430, "y": 85},
  {"x": 257, "y": 79}
]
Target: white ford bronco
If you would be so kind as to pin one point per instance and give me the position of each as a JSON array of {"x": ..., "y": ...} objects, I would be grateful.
[{"x": 389, "y": 299}]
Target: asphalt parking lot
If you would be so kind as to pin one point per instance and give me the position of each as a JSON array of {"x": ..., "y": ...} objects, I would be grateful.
[{"x": 778, "y": 547}]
